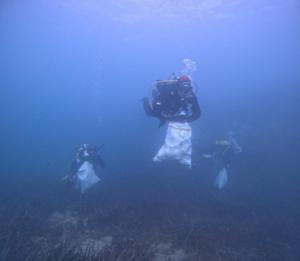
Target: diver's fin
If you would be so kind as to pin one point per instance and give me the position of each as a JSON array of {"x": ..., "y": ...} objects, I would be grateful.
[{"x": 161, "y": 122}]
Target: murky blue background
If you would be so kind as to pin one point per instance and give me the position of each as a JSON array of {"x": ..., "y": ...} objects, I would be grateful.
[{"x": 73, "y": 72}]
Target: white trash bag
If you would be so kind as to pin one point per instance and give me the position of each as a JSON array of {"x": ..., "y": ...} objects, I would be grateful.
[
  {"x": 178, "y": 145},
  {"x": 86, "y": 176},
  {"x": 221, "y": 178}
]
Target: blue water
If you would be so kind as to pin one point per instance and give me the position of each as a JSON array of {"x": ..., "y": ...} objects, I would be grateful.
[{"x": 74, "y": 72}]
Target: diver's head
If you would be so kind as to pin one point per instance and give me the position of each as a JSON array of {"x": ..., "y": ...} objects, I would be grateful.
[
  {"x": 185, "y": 88},
  {"x": 86, "y": 150},
  {"x": 184, "y": 78},
  {"x": 185, "y": 81}
]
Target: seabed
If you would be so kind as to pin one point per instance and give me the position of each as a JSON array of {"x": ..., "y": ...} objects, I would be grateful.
[{"x": 156, "y": 221}]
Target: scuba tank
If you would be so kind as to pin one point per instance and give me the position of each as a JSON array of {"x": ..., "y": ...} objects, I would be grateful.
[{"x": 166, "y": 85}]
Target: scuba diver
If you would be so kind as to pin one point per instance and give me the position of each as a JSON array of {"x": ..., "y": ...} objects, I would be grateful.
[
  {"x": 223, "y": 152},
  {"x": 85, "y": 167},
  {"x": 174, "y": 101}
]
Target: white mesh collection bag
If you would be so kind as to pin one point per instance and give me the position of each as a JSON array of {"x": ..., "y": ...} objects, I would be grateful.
[
  {"x": 221, "y": 178},
  {"x": 86, "y": 176},
  {"x": 178, "y": 145}
]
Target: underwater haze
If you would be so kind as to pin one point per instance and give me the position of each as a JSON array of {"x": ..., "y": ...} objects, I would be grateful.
[{"x": 74, "y": 72}]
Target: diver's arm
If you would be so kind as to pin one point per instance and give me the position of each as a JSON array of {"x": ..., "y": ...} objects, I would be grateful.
[
  {"x": 73, "y": 169},
  {"x": 154, "y": 110},
  {"x": 147, "y": 107},
  {"x": 196, "y": 111}
]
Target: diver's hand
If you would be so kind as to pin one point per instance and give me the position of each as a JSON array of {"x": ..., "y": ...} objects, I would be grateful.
[
  {"x": 67, "y": 179},
  {"x": 207, "y": 156}
]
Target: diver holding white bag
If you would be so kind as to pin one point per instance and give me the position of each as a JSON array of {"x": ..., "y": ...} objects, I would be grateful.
[
  {"x": 223, "y": 152},
  {"x": 85, "y": 167},
  {"x": 174, "y": 101}
]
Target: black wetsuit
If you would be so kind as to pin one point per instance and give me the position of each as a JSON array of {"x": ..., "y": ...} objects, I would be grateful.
[
  {"x": 223, "y": 154},
  {"x": 173, "y": 102},
  {"x": 90, "y": 154}
]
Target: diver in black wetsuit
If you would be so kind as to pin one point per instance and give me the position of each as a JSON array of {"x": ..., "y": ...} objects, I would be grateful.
[
  {"x": 173, "y": 100},
  {"x": 224, "y": 151},
  {"x": 86, "y": 152}
]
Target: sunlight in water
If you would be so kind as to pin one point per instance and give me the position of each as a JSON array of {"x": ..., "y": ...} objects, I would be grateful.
[{"x": 173, "y": 11}]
